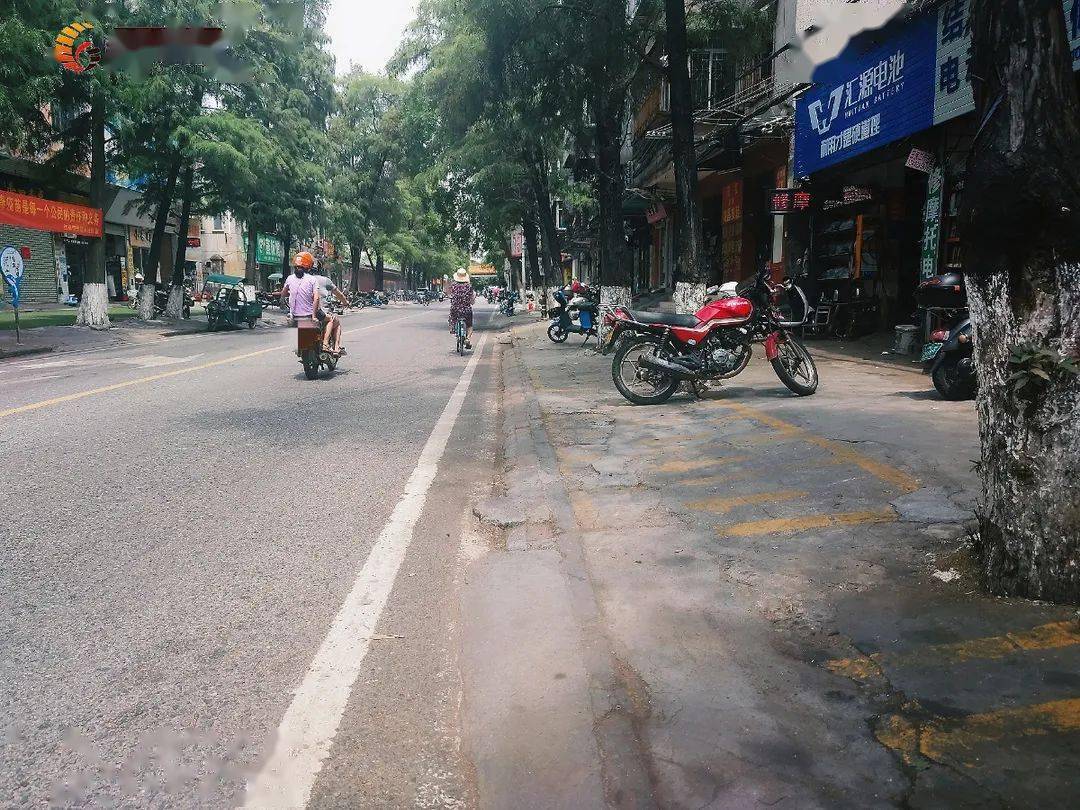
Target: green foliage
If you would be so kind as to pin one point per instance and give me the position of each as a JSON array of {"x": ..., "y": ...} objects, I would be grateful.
[{"x": 1034, "y": 368}]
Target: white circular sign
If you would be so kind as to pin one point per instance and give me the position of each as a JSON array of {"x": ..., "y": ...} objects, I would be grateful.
[{"x": 11, "y": 265}]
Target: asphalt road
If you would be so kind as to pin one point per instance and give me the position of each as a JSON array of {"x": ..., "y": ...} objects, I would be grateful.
[{"x": 184, "y": 525}]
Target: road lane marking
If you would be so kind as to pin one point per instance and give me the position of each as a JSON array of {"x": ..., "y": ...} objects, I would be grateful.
[
  {"x": 946, "y": 739},
  {"x": 34, "y": 406},
  {"x": 721, "y": 506},
  {"x": 311, "y": 722},
  {"x": 1054, "y": 636},
  {"x": 885, "y": 472},
  {"x": 755, "y": 528},
  {"x": 701, "y": 464}
]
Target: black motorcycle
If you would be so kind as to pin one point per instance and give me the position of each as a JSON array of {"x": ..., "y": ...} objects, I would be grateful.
[
  {"x": 949, "y": 354},
  {"x": 161, "y": 301}
]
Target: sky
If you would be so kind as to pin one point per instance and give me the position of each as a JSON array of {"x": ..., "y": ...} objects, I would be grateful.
[{"x": 367, "y": 32}]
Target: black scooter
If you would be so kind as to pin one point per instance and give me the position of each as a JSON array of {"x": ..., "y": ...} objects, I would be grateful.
[
  {"x": 563, "y": 324},
  {"x": 949, "y": 354}
]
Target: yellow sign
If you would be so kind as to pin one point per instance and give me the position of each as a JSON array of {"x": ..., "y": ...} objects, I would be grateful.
[{"x": 483, "y": 270}]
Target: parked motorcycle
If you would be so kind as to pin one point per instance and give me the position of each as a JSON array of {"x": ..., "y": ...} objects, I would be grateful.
[
  {"x": 161, "y": 301},
  {"x": 658, "y": 351},
  {"x": 949, "y": 354},
  {"x": 309, "y": 348},
  {"x": 573, "y": 316},
  {"x": 506, "y": 303}
]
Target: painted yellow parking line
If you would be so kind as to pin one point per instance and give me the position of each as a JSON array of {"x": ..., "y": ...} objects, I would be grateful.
[
  {"x": 886, "y": 472},
  {"x": 943, "y": 740},
  {"x": 1044, "y": 637},
  {"x": 715, "y": 480},
  {"x": 105, "y": 389},
  {"x": 721, "y": 506},
  {"x": 800, "y": 524},
  {"x": 699, "y": 464}
]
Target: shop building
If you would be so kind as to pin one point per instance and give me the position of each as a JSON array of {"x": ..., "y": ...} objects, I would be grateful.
[{"x": 881, "y": 140}]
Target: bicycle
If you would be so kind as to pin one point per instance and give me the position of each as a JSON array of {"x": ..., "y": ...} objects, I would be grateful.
[{"x": 460, "y": 329}]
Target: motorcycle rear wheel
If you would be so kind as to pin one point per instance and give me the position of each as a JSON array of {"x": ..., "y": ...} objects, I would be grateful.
[
  {"x": 310, "y": 359},
  {"x": 796, "y": 368},
  {"x": 952, "y": 383},
  {"x": 657, "y": 387}
]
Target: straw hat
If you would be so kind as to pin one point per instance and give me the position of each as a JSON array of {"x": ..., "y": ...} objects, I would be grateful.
[{"x": 461, "y": 275}]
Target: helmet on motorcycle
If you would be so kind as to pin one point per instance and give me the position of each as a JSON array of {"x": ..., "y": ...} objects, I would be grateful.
[
  {"x": 577, "y": 287},
  {"x": 304, "y": 260}
]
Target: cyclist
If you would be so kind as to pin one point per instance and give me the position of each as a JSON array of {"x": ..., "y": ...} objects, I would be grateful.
[{"x": 462, "y": 298}]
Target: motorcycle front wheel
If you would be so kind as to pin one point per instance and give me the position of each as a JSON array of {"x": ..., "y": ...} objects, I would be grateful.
[
  {"x": 641, "y": 386},
  {"x": 556, "y": 334},
  {"x": 796, "y": 368}
]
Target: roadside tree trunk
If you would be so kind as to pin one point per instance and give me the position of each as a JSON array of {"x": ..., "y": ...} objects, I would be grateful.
[
  {"x": 94, "y": 304},
  {"x": 175, "y": 307},
  {"x": 691, "y": 274},
  {"x": 354, "y": 263},
  {"x": 1021, "y": 228},
  {"x": 611, "y": 187},
  {"x": 251, "y": 262},
  {"x": 528, "y": 227},
  {"x": 380, "y": 271},
  {"x": 157, "y": 241}
]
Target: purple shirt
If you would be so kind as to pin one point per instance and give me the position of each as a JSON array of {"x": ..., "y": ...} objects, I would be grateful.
[{"x": 301, "y": 295}]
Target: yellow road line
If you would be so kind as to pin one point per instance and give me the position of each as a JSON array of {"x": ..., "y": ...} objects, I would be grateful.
[
  {"x": 722, "y": 505},
  {"x": 794, "y": 525},
  {"x": 34, "y": 406},
  {"x": 942, "y": 739},
  {"x": 713, "y": 480},
  {"x": 1044, "y": 637},
  {"x": 700, "y": 464},
  {"x": 885, "y": 472}
]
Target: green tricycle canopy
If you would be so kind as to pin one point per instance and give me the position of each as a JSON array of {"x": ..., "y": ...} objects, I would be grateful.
[{"x": 227, "y": 281}]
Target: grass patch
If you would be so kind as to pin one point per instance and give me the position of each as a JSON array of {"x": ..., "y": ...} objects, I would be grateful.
[{"x": 56, "y": 317}]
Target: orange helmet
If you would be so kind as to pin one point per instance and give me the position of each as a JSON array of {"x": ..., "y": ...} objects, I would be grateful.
[{"x": 305, "y": 260}]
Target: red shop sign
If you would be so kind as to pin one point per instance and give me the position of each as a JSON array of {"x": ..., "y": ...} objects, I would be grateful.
[{"x": 47, "y": 215}]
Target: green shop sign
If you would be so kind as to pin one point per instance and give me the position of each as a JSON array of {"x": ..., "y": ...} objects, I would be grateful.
[{"x": 269, "y": 249}]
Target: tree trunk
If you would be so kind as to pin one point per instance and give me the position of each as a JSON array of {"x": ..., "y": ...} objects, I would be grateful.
[
  {"x": 157, "y": 241},
  {"x": 611, "y": 188},
  {"x": 528, "y": 227},
  {"x": 251, "y": 263},
  {"x": 380, "y": 270},
  {"x": 1021, "y": 230},
  {"x": 175, "y": 307},
  {"x": 354, "y": 264},
  {"x": 94, "y": 304},
  {"x": 689, "y": 242}
]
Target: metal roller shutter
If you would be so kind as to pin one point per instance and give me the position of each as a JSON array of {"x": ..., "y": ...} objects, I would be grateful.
[{"x": 39, "y": 281}]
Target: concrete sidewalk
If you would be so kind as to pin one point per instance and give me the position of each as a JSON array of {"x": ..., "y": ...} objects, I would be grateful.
[{"x": 787, "y": 587}]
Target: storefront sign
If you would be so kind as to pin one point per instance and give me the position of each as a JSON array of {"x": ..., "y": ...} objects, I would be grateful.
[
  {"x": 37, "y": 214},
  {"x": 731, "y": 201},
  {"x": 140, "y": 237},
  {"x": 194, "y": 242},
  {"x": 268, "y": 249},
  {"x": 920, "y": 160},
  {"x": 790, "y": 201},
  {"x": 932, "y": 224},
  {"x": 916, "y": 75}
]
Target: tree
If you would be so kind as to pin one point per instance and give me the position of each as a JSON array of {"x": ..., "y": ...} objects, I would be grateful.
[{"x": 1021, "y": 226}]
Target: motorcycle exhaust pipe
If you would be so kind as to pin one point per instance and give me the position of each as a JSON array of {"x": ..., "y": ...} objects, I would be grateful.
[{"x": 660, "y": 364}]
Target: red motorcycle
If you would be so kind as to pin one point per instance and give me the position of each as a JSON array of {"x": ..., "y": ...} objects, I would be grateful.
[{"x": 657, "y": 351}]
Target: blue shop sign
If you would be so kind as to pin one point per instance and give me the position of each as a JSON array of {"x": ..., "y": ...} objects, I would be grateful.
[{"x": 908, "y": 78}]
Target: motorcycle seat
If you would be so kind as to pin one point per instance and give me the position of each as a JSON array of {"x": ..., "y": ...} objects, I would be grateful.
[{"x": 666, "y": 318}]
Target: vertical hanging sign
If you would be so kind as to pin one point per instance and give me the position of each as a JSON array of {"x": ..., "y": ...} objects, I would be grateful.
[
  {"x": 932, "y": 224},
  {"x": 12, "y": 268}
]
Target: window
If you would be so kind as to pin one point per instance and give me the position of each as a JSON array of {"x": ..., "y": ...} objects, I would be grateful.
[
  {"x": 710, "y": 80},
  {"x": 219, "y": 223},
  {"x": 562, "y": 217}
]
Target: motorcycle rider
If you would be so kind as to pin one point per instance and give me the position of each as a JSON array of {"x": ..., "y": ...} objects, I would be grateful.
[{"x": 300, "y": 288}]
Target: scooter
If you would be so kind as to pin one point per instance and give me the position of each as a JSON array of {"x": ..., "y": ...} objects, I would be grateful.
[
  {"x": 949, "y": 355},
  {"x": 309, "y": 348},
  {"x": 563, "y": 324},
  {"x": 508, "y": 300}
]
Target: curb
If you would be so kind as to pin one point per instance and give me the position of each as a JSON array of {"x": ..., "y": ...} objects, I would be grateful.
[{"x": 27, "y": 352}]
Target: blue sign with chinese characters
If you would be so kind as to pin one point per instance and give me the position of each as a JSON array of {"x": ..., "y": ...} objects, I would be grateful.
[{"x": 912, "y": 76}]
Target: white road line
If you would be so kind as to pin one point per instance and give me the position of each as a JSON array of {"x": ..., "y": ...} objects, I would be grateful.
[{"x": 311, "y": 722}]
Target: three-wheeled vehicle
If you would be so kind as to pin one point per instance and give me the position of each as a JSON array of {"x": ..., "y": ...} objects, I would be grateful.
[{"x": 233, "y": 304}]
